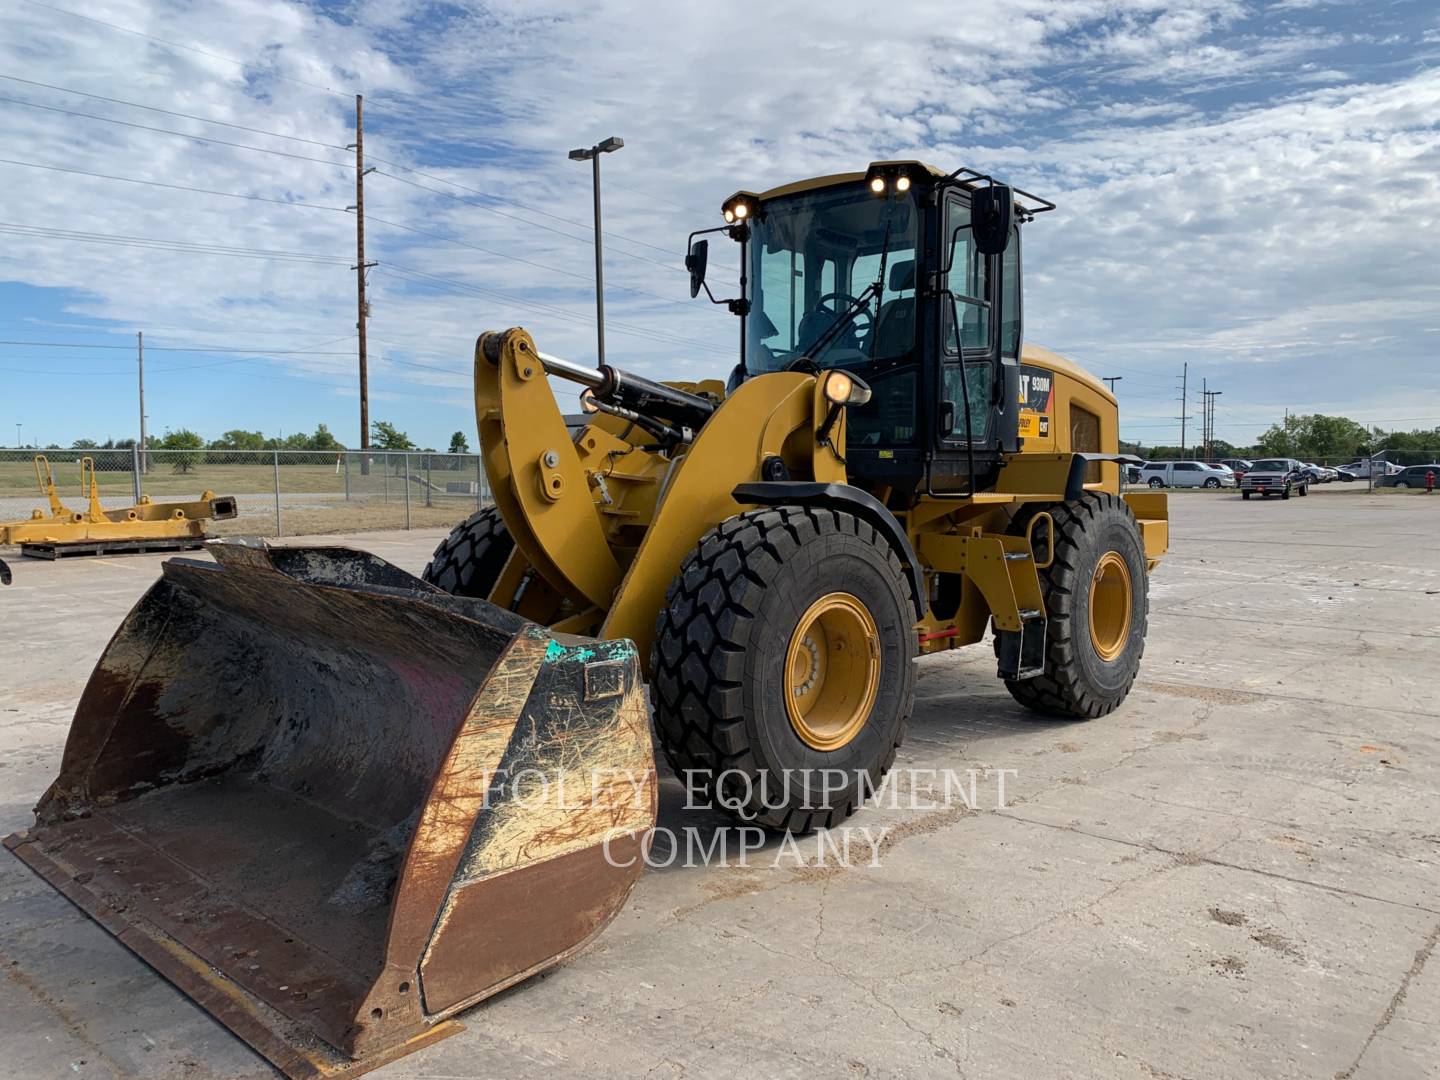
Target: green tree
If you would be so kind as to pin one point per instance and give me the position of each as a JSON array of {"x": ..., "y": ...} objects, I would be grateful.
[
  {"x": 187, "y": 445},
  {"x": 323, "y": 440},
  {"x": 386, "y": 436},
  {"x": 1314, "y": 436},
  {"x": 459, "y": 444},
  {"x": 239, "y": 439},
  {"x": 84, "y": 444}
]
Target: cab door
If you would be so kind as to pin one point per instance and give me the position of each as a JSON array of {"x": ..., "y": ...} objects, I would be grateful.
[{"x": 980, "y": 338}]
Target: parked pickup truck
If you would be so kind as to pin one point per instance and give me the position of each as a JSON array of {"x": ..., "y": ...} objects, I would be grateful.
[
  {"x": 1275, "y": 476},
  {"x": 1186, "y": 474}
]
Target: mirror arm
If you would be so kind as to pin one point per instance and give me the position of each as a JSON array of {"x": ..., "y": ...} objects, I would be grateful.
[{"x": 954, "y": 240}]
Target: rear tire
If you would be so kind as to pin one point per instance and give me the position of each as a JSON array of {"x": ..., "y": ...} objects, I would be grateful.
[
  {"x": 1304, "y": 490},
  {"x": 468, "y": 561},
  {"x": 1093, "y": 536},
  {"x": 1245, "y": 495},
  {"x": 724, "y": 663},
  {"x": 1156, "y": 482}
]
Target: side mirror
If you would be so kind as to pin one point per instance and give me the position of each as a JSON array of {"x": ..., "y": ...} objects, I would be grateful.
[
  {"x": 947, "y": 419},
  {"x": 695, "y": 261},
  {"x": 991, "y": 209}
]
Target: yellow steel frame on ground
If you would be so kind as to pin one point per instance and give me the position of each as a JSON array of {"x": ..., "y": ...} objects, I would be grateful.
[
  {"x": 145, "y": 520},
  {"x": 602, "y": 524}
]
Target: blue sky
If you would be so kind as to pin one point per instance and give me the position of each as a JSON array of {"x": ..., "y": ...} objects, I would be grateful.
[{"x": 1246, "y": 187}]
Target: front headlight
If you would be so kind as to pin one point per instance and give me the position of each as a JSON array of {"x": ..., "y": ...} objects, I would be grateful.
[{"x": 842, "y": 388}]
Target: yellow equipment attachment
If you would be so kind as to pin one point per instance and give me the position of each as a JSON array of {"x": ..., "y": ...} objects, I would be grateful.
[
  {"x": 171, "y": 524},
  {"x": 335, "y": 805}
]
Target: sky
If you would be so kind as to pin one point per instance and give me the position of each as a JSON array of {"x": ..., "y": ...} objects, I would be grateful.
[{"x": 1249, "y": 188}]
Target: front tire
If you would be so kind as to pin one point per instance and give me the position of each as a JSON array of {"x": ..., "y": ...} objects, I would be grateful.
[
  {"x": 468, "y": 561},
  {"x": 1245, "y": 495},
  {"x": 782, "y": 666},
  {"x": 1212, "y": 483},
  {"x": 1097, "y": 599},
  {"x": 1156, "y": 482}
]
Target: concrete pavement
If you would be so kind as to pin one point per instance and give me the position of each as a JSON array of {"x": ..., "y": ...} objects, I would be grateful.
[{"x": 1234, "y": 875}]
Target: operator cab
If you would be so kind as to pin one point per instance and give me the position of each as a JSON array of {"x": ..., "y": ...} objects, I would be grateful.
[{"x": 883, "y": 274}]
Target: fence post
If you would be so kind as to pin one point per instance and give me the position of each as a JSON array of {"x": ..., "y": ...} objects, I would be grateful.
[
  {"x": 479, "y": 477},
  {"x": 346, "y": 456},
  {"x": 135, "y": 469},
  {"x": 385, "y": 477},
  {"x": 407, "y": 491},
  {"x": 279, "y": 531},
  {"x": 429, "y": 484}
]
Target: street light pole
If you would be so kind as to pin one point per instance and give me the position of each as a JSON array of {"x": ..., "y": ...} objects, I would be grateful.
[
  {"x": 1112, "y": 380},
  {"x": 592, "y": 155}
]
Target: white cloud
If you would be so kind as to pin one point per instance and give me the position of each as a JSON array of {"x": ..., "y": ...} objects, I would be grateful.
[{"x": 1282, "y": 224}]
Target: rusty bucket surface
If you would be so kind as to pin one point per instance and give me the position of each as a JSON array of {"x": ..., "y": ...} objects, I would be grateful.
[{"x": 335, "y": 805}]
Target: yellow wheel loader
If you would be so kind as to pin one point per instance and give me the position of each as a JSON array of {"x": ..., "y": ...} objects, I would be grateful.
[
  {"x": 888, "y": 471},
  {"x": 336, "y": 804}
]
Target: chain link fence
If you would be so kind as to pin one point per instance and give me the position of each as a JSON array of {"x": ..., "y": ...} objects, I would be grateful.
[{"x": 277, "y": 492}]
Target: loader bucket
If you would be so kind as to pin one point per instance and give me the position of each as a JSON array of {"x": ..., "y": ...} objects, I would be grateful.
[{"x": 335, "y": 805}]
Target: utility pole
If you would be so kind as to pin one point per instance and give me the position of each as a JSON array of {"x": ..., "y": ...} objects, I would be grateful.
[
  {"x": 1184, "y": 404},
  {"x": 362, "y": 309},
  {"x": 1210, "y": 396},
  {"x": 1112, "y": 380},
  {"x": 140, "y": 368},
  {"x": 1205, "y": 419},
  {"x": 592, "y": 155}
]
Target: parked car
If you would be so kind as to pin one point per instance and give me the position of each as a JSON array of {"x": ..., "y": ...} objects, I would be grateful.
[
  {"x": 1342, "y": 472},
  {"x": 1361, "y": 469},
  {"x": 1275, "y": 476},
  {"x": 1181, "y": 474},
  {"x": 1238, "y": 465},
  {"x": 1412, "y": 476},
  {"x": 1321, "y": 474}
]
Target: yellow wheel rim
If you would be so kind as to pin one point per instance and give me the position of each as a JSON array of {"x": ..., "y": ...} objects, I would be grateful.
[
  {"x": 1111, "y": 599},
  {"x": 832, "y": 671}
]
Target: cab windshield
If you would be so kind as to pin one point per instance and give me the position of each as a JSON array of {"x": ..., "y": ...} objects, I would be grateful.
[{"x": 812, "y": 256}]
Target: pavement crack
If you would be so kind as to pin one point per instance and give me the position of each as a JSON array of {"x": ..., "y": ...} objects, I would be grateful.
[
  {"x": 71, "y": 1023},
  {"x": 1422, "y": 954},
  {"x": 1192, "y": 858}
]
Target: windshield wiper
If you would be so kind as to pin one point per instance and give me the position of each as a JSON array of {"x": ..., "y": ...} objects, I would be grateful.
[
  {"x": 842, "y": 320},
  {"x": 874, "y": 289}
]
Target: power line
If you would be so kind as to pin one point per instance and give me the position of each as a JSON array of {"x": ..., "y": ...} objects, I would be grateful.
[
  {"x": 180, "y": 348},
  {"x": 168, "y": 131},
  {"x": 148, "y": 243},
  {"x": 172, "y": 187},
  {"x": 178, "y": 45},
  {"x": 172, "y": 112},
  {"x": 532, "y": 224},
  {"x": 322, "y": 161},
  {"x": 443, "y": 284},
  {"x": 449, "y": 284},
  {"x": 516, "y": 258},
  {"x": 511, "y": 202}
]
